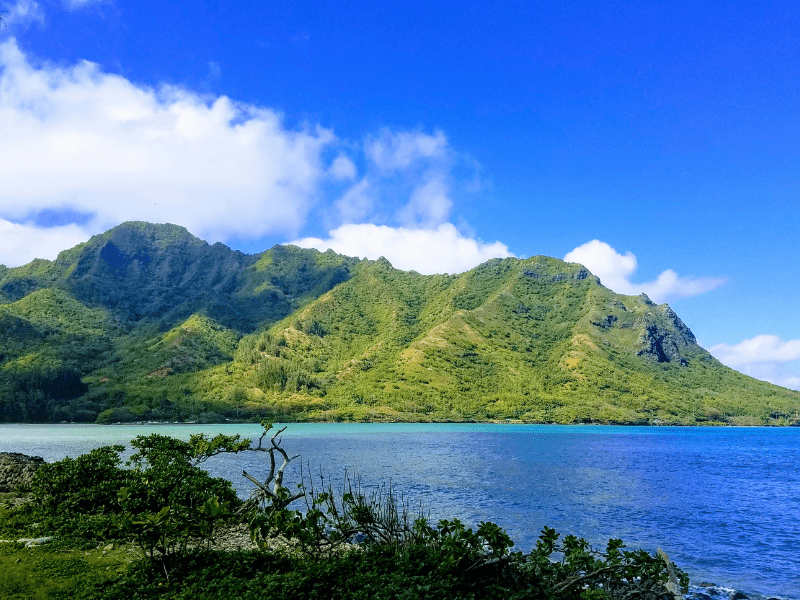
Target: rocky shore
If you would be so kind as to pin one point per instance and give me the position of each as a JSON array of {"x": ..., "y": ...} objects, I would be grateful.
[
  {"x": 17, "y": 469},
  {"x": 711, "y": 591}
]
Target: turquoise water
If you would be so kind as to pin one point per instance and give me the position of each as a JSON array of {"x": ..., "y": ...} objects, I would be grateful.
[{"x": 724, "y": 503}]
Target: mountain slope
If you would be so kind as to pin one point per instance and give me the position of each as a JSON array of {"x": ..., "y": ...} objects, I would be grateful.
[
  {"x": 535, "y": 339},
  {"x": 162, "y": 274},
  {"x": 147, "y": 322},
  {"x": 96, "y": 311}
]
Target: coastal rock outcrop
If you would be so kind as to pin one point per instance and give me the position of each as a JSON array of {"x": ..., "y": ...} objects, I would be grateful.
[
  {"x": 664, "y": 336},
  {"x": 17, "y": 469}
]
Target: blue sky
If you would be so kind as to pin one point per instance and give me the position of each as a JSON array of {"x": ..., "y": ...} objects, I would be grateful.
[{"x": 656, "y": 142}]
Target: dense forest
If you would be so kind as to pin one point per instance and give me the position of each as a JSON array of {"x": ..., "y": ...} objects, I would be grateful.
[{"x": 147, "y": 322}]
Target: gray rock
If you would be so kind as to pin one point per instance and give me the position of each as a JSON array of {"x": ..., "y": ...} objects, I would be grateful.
[
  {"x": 17, "y": 469},
  {"x": 665, "y": 337},
  {"x": 40, "y": 541},
  {"x": 606, "y": 322},
  {"x": 582, "y": 274}
]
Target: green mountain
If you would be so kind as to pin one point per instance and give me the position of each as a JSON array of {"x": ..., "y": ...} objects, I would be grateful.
[{"x": 148, "y": 322}]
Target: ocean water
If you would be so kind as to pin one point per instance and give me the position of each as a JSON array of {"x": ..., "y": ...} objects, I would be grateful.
[{"x": 724, "y": 503}]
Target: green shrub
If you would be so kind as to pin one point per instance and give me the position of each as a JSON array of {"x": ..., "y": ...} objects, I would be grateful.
[
  {"x": 76, "y": 498},
  {"x": 93, "y": 498}
]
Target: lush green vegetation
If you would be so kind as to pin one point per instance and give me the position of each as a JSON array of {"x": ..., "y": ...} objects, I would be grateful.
[
  {"x": 352, "y": 545},
  {"x": 146, "y": 322}
]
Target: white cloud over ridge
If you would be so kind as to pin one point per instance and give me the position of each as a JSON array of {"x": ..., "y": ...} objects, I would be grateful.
[
  {"x": 760, "y": 349},
  {"x": 428, "y": 251},
  {"x": 79, "y": 141},
  {"x": 408, "y": 181},
  {"x": 615, "y": 271},
  {"x": 96, "y": 144},
  {"x": 764, "y": 357},
  {"x": 21, "y": 243}
]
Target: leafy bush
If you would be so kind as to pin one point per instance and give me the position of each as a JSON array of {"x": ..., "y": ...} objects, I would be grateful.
[
  {"x": 169, "y": 499},
  {"x": 76, "y": 498},
  {"x": 164, "y": 495}
]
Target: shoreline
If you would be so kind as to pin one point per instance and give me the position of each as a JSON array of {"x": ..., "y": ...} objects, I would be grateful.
[{"x": 712, "y": 425}]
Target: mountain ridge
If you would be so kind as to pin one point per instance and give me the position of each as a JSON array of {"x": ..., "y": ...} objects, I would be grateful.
[{"x": 147, "y": 321}]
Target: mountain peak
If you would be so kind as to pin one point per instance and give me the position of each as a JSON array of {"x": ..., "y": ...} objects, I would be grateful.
[
  {"x": 331, "y": 337},
  {"x": 159, "y": 235}
]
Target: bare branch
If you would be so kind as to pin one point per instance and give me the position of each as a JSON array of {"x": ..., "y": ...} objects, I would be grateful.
[
  {"x": 565, "y": 585},
  {"x": 263, "y": 493}
]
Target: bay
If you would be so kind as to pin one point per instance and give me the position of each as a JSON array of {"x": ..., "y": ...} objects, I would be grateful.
[{"x": 724, "y": 503}]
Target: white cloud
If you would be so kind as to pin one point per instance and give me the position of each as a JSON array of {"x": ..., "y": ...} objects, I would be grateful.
[
  {"x": 758, "y": 350},
  {"x": 408, "y": 181},
  {"x": 440, "y": 250},
  {"x": 97, "y": 144},
  {"x": 764, "y": 357},
  {"x": 615, "y": 271},
  {"x": 429, "y": 205},
  {"x": 356, "y": 204},
  {"x": 412, "y": 171},
  {"x": 76, "y": 4},
  {"x": 342, "y": 168},
  {"x": 20, "y": 244},
  {"x": 84, "y": 142},
  {"x": 214, "y": 70},
  {"x": 392, "y": 151}
]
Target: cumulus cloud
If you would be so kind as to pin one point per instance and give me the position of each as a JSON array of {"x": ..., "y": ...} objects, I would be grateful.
[
  {"x": 357, "y": 203},
  {"x": 97, "y": 144},
  {"x": 393, "y": 151},
  {"x": 758, "y": 350},
  {"x": 90, "y": 143},
  {"x": 408, "y": 180},
  {"x": 429, "y": 205},
  {"x": 21, "y": 243},
  {"x": 615, "y": 271},
  {"x": 76, "y": 4},
  {"x": 342, "y": 168},
  {"x": 765, "y": 357},
  {"x": 401, "y": 207},
  {"x": 428, "y": 251}
]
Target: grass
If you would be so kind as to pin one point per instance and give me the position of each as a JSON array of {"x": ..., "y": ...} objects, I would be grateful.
[{"x": 50, "y": 572}]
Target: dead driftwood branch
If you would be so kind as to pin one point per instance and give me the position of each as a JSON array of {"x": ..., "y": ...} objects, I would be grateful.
[
  {"x": 278, "y": 495},
  {"x": 672, "y": 584}
]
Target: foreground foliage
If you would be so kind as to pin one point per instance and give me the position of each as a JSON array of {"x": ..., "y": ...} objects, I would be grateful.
[
  {"x": 162, "y": 499},
  {"x": 350, "y": 545}
]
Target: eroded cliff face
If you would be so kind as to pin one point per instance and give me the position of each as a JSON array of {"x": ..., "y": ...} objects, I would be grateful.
[{"x": 665, "y": 338}]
